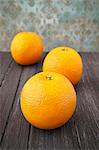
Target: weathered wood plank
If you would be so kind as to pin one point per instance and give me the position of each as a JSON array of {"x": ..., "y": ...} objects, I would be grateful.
[
  {"x": 17, "y": 122},
  {"x": 5, "y": 62},
  {"x": 87, "y": 113},
  {"x": 7, "y": 93},
  {"x": 61, "y": 138}
]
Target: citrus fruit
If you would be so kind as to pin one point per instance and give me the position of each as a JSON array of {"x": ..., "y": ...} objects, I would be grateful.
[
  {"x": 66, "y": 61},
  {"x": 26, "y": 48},
  {"x": 48, "y": 100}
]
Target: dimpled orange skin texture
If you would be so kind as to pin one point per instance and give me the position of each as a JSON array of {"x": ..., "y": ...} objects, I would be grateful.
[
  {"x": 66, "y": 61},
  {"x": 48, "y": 100},
  {"x": 26, "y": 48}
]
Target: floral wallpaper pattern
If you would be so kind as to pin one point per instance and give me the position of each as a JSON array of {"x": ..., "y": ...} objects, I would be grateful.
[{"x": 73, "y": 23}]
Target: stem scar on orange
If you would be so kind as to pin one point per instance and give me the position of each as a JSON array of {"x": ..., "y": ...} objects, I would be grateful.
[
  {"x": 26, "y": 48},
  {"x": 66, "y": 61},
  {"x": 48, "y": 100}
]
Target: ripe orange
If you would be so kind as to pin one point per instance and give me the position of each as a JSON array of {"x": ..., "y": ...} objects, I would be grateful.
[
  {"x": 48, "y": 100},
  {"x": 26, "y": 48},
  {"x": 66, "y": 61}
]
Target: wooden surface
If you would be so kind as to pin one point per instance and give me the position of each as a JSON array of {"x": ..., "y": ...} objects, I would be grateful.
[{"x": 81, "y": 132}]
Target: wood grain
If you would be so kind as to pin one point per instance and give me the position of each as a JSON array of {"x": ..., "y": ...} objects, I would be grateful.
[
  {"x": 81, "y": 132},
  {"x": 7, "y": 93},
  {"x": 16, "y": 120},
  {"x": 87, "y": 112},
  {"x": 5, "y": 62}
]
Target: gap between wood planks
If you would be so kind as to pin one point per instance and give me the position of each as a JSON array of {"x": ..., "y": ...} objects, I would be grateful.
[
  {"x": 5, "y": 74},
  {"x": 13, "y": 99}
]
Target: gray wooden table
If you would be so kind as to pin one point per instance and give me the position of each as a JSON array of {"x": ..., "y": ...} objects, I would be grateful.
[{"x": 81, "y": 132}]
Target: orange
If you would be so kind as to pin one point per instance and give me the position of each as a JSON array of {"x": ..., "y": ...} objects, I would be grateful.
[
  {"x": 66, "y": 61},
  {"x": 26, "y": 48},
  {"x": 48, "y": 100}
]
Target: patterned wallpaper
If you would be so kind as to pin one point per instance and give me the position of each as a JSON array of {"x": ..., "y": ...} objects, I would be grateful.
[{"x": 72, "y": 23}]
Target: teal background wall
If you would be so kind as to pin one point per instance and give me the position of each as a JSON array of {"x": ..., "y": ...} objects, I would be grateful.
[{"x": 73, "y": 23}]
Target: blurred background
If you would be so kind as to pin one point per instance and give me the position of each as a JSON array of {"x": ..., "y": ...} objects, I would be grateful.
[{"x": 73, "y": 23}]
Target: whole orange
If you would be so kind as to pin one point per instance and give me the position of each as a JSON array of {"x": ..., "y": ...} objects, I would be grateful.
[
  {"x": 26, "y": 48},
  {"x": 66, "y": 61},
  {"x": 48, "y": 100}
]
